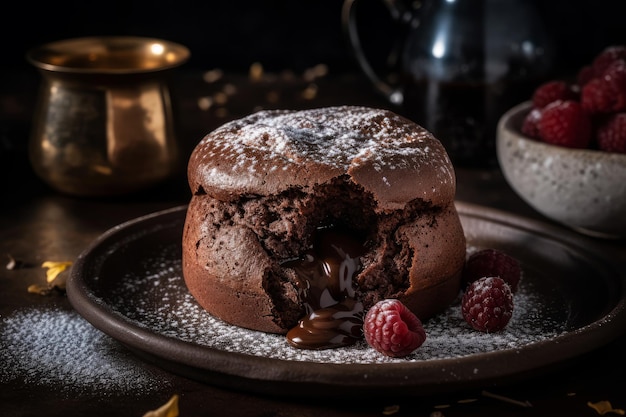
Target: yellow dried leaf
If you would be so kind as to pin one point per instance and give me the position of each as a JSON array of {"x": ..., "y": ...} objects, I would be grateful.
[
  {"x": 53, "y": 278},
  {"x": 391, "y": 409},
  {"x": 604, "y": 407},
  {"x": 169, "y": 409},
  {"x": 38, "y": 289},
  {"x": 54, "y": 269}
]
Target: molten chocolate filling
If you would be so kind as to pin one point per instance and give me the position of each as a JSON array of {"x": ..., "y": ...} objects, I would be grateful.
[{"x": 325, "y": 275}]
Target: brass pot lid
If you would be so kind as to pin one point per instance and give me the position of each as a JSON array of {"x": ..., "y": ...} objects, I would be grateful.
[{"x": 108, "y": 55}]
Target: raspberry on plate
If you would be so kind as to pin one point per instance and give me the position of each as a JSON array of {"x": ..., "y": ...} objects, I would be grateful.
[
  {"x": 551, "y": 91},
  {"x": 565, "y": 123},
  {"x": 392, "y": 329},
  {"x": 487, "y": 304},
  {"x": 611, "y": 134},
  {"x": 492, "y": 263}
]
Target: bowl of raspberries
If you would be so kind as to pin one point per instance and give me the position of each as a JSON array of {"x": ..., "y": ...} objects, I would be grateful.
[{"x": 564, "y": 150}]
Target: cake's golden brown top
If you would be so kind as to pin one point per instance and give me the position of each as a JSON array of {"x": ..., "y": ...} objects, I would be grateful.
[{"x": 271, "y": 151}]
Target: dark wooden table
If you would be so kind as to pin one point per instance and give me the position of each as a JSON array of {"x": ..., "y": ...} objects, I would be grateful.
[{"x": 46, "y": 372}]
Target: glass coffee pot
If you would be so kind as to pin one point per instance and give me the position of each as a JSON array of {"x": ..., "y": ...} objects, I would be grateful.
[{"x": 461, "y": 64}]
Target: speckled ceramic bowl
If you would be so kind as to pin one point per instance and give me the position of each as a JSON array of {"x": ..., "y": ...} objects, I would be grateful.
[{"x": 580, "y": 188}]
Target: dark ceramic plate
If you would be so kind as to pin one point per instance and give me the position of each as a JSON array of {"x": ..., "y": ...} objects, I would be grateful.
[{"x": 128, "y": 284}]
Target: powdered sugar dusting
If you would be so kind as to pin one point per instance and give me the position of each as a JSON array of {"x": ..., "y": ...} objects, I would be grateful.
[
  {"x": 53, "y": 347},
  {"x": 323, "y": 135},
  {"x": 176, "y": 314},
  {"x": 334, "y": 137}
]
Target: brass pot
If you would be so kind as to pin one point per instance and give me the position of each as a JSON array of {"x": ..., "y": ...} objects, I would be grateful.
[{"x": 104, "y": 123}]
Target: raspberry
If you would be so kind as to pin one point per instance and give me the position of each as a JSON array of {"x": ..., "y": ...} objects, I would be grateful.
[
  {"x": 607, "y": 92},
  {"x": 611, "y": 135},
  {"x": 605, "y": 58},
  {"x": 596, "y": 96},
  {"x": 551, "y": 91},
  {"x": 487, "y": 304},
  {"x": 530, "y": 126},
  {"x": 392, "y": 329},
  {"x": 565, "y": 123},
  {"x": 492, "y": 263}
]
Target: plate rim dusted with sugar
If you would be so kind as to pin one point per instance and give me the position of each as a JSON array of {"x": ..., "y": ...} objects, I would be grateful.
[{"x": 595, "y": 314}]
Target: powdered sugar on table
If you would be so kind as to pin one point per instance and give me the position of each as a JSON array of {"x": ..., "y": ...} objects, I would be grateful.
[{"x": 58, "y": 348}]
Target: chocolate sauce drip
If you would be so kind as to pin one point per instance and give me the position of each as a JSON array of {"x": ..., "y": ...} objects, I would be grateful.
[{"x": 325, "y": 275}]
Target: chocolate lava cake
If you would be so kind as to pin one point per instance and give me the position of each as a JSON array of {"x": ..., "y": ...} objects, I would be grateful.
[{"x": 279, "y": 196}]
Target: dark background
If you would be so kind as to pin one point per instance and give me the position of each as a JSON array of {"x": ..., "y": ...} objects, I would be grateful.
[
  {"x": 281, "y": 34},
  {"x": 231, "y": 35}
]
